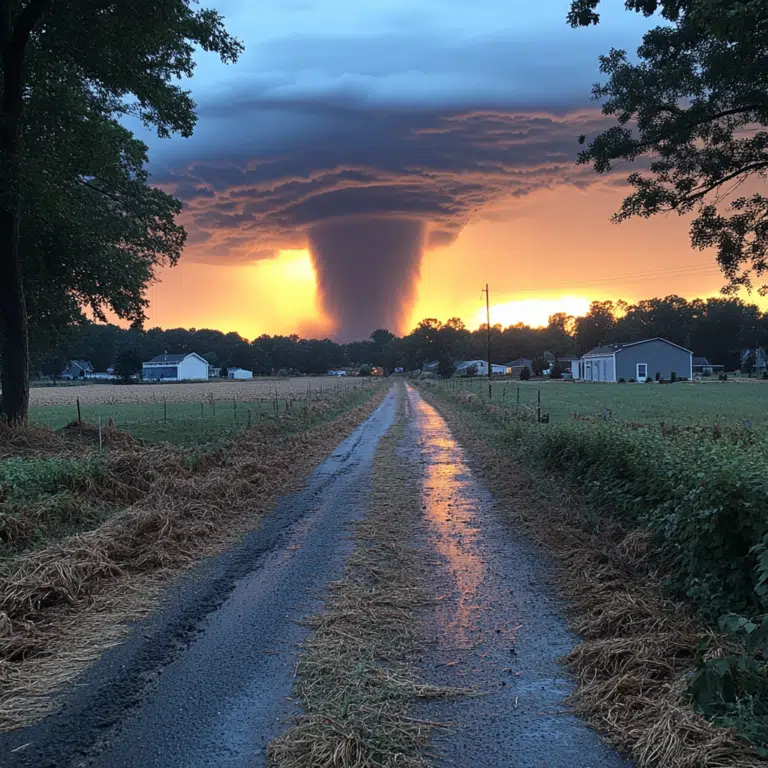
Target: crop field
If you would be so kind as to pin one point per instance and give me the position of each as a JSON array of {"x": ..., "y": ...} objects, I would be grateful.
[
  {"x": 711, "y": 402},
  {"x": 183, "y": 412}
]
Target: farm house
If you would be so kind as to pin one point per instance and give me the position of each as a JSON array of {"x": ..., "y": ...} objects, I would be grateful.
[
  {"x": 185, "y": 367},
  {"x": 638, "y": 360},
  {"x": 239, "y": 374}
]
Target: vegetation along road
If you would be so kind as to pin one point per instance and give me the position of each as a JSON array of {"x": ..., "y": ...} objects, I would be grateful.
[{"x": 408, "y": 604}]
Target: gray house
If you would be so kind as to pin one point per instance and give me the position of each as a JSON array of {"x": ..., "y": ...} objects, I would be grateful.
[
  {"x": 76, "y": 369},
  {"x": 638, "y": 360}
]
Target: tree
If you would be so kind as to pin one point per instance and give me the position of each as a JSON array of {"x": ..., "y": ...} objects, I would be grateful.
[
  {"x": 241, "y": 356},
  {"x": 539, "y": 365},
  {"x": 446, "y": 367},
  {"x": 595, "y": 327},
  {"x": 72, "y": 178},
  {"x": 698, "y": 97},
  {"x": 525, "y": 374},
  {"x": 128, "y": 363},
  {"x": 470, "y": 371}
]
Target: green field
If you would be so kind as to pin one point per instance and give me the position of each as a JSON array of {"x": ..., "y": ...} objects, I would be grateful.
[
  {"x": 712, "y": 402},
  {"x": 186, "y": 423}
]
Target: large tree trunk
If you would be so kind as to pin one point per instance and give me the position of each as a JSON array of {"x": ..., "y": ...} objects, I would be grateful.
[{"x": 14, "y": 378}]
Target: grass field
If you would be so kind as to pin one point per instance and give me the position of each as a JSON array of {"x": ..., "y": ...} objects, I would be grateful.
[
  {"x": 183, "y": 413},
  {"x": 729, "y": 402}
]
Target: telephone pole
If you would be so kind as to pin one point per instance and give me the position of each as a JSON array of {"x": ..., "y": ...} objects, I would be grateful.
[{"x": 488, "y": 330}]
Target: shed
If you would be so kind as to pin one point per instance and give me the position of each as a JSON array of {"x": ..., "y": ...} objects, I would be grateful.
[
  {"x": 239, "y": 373},
  {"x": 183, "y": 367},
  {"x": 638, "y": 360},
  {"x": 702, "y": 367},
  {"x": 481, "y": 368}
]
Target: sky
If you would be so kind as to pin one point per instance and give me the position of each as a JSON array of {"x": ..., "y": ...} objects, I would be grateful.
[{"x": 379, "y": 162}]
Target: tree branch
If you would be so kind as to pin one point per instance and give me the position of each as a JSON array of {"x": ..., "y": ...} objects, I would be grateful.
[{"x": 703, "y": 191}]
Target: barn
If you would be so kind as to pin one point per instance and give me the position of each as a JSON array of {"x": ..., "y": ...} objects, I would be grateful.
[
  {"x": 637, "y": 360},
  {"x": 184, "y": 367}
]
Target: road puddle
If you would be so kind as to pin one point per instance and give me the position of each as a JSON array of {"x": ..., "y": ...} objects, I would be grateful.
[{"x": 449, "y": 512}]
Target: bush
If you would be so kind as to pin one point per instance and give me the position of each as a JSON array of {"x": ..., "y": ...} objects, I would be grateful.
[
  {"x": 648, "y": 380},
  {"x": 622, "y": 380},
  {"x": 525, "y": 374},
  {"x": 633, "y": 381},
  {"x": 658, "y": 375},
  {"x": 555, "y": 371},
  {"x": 765, "y": 374},
  {"x": 672, "y": 377}
]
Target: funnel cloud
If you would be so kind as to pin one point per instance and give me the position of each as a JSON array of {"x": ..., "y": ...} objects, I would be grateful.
[{"x": 367, "y": 270}]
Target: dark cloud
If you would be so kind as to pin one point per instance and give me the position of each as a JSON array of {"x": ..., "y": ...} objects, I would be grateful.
[
  {"x": 442, "y": 168},
  {"x": 368, "y": 191}
]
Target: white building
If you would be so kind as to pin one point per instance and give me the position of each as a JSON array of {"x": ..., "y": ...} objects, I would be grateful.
[
  {"x": 481, "y": 368},
  {"x": 239, "y": 373},
  {"x": 186, "y": 367}
]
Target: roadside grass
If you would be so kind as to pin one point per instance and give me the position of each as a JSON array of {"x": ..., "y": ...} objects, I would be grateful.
[
  {"x": 708, "y": 402},
  {"x": 642, "y": 648},
  {"x": 64, "y": 600},
  {"x": 356, "y": 677}
]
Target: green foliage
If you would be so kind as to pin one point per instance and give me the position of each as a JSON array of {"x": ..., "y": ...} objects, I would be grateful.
[
  {"x": 446, "y": 367},
  {"x": 128, "y": 363},
  {"x": 539, "y": 365},
  {"x": 365, "y": 370},
  {"x": 694, "y": 101},
  {"x": 25, "y": 479},
  {"x": 525, "y": 374}
]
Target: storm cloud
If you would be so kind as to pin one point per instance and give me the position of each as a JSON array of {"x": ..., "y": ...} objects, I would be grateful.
[{"x": 369, "y": 149}]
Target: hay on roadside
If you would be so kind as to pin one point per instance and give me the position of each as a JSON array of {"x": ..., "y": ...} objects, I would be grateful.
[{"x": 177, "y": 512}]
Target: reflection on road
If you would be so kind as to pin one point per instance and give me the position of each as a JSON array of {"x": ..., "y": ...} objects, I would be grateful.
[{"x": 449, "y": 511}]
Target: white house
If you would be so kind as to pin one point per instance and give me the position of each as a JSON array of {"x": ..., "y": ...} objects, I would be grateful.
[
  {"x": 185, "y": 367},
  {"x": 239, "y": 373},
  {"x": 481, "y": 368}
]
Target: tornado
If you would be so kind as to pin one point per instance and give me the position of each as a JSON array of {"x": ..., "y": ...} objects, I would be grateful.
[{"x": 367, "y": 272}]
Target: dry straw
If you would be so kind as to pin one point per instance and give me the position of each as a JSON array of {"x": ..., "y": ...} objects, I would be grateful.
[
  {"x": 355, "y": 679},
  {"x": 62, "y": 605}
]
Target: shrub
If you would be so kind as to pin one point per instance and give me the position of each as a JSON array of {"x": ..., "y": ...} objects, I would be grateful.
[
  {"x": 672, "y": 377},
  {"x": 649, "y": 380},
  {"x": 622, "y": 380},
  {"x": 658, "y": 375},
  {"x": 525, "y": 374},
  {"x": 633, "y": 381},
  {"x": 765, "y": 374}
]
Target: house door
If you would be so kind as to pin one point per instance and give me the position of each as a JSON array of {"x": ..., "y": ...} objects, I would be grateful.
[{"x": 642, "y": 372}]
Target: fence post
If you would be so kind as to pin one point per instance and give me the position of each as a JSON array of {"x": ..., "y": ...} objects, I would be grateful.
[
  {"x": 101, "y": 443},
  {"x": 249, "y": 418},
  {"x": 538, "y": 407},
  {"x": 234, "y": 409},
  {"x": 165, "y": 409},
  {"x": 79, "y": 420},
  {"x": 201, "y": 416},
  {"x": 517, "y": 404}
]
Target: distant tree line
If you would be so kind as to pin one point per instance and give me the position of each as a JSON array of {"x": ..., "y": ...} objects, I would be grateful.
[{"x": 717, "y": 328}]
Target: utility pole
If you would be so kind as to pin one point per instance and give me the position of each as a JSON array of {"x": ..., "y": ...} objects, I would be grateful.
[{"x": 488, "y": 330}]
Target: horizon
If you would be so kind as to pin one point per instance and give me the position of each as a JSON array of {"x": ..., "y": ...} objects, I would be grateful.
[{"x": 480, "y": 158}]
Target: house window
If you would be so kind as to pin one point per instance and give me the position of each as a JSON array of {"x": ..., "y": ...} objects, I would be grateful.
[{"x": 642, "y": 371}]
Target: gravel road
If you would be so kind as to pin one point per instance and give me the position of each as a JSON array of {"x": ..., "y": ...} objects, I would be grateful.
[
  {"x": 205, "y": 682},
  {"x": 498, "y": 624}
]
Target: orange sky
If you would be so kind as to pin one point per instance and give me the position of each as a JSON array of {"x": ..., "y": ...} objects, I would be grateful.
[{"x": 552, "y": 251}]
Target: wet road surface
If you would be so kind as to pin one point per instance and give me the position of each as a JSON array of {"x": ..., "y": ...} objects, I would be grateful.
[
  {"x": 497, "y": 622},
  {"x": 205, "y": 682}
]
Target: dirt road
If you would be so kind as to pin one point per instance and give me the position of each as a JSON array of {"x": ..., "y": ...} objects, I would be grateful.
[{"x": 205, "y": 682}]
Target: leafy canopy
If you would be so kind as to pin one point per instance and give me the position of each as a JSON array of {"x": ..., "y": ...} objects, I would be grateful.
[
  {"x": 696, "y": 102},
  {"x": 93, "y": 229}
]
